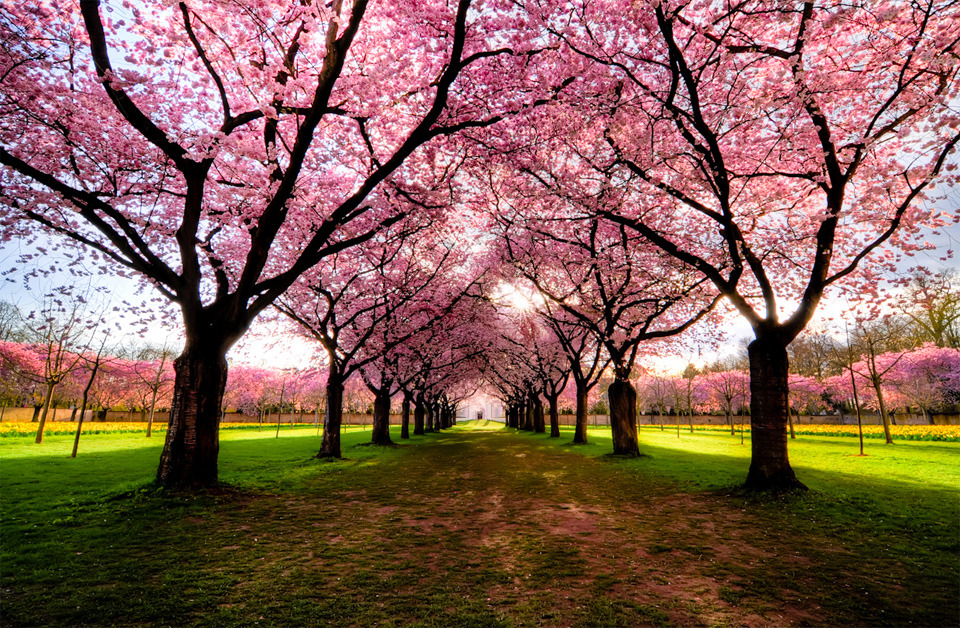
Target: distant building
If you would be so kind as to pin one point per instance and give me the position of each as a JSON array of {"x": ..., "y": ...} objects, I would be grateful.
[{"x": 487, "y": 409}]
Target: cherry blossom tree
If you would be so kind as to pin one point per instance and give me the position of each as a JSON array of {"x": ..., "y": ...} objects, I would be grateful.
[
  {"x": 806, "y": 395},
  {"x": 368, "y": 306},
  {"x": 655, "y": 389},
  {"x": 154, "y": 371},
  {"x": 245, "y": 388},
  {"x": 586, "y": 360},
  {"x": 875, "y": 341},
  {"x": 56, "y": 336},
  {"x": 926, "y": 378},
  {"x": 93, "y": 363},
  {"x": 609, "y": 283},
  {"x": 219, "y": 152},
  {"x": 774, "y": 148},
  {"x": 725, "y": 391}
]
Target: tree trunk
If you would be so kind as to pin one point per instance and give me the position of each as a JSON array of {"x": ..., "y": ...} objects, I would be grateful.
[
  {"x": 381, "y": 418},
  {"x": 539, "y": 425},
  {"x": 553, "y": 402},
  {"x": 770, "y": 468},
  {"x": 528, "y": 414},
  {"x": 428, "y": 417},
  {"x": 884, "y": 416},
  {"x": 83, "y": 405},
  {"x": 192, "y": 444},
  {"x": 332, "y": 418},
  {"x": 580, "y": 432},
  {"x": 153, "y": 406},
  {"x": 76, "y": 436},
  {"x": 46, "y": 408},
  {"x": 623, "y": 418},
  {"x": 405, "y": 416},
  {"x": 283, "y": 388},
  {"x": 419, "y": 413}
]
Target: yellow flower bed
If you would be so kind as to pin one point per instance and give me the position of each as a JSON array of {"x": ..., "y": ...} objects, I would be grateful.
[{"x": 949, "y": 433}]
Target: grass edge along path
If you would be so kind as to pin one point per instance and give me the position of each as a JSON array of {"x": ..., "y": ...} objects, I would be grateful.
[{"x": 468, "y": 527}]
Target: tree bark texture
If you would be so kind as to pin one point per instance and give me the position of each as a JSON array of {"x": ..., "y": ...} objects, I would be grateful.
[
  {"x": 332, "y": 418},
  {"x": 539, "y": 425},
  {"x": 418, "y": 417},
  {"x": 47, "y": 398},
  {"x": 554, "y": 416},
  {"x": 770, "y": 468},
  {"x": 623, "y": 418},
  {"x": 405, "y": 417},
  {"x": 580, "y": 433},
  {"x": 192, "y": 444},
  {"x": 528, "y": 414},
  {"x": 381, "y": 419},
  {"x": 884, "y": 415}
]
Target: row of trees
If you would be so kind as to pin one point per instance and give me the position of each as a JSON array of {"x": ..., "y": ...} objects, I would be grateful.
[
  {"x": 920, "y": 381},
  {"x": 638, "y": 162}
]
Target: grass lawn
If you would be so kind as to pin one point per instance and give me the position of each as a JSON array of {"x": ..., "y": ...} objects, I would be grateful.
[{"x": 480, "y": 526}]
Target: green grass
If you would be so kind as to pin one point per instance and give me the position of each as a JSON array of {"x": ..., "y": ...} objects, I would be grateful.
[{"x": 478, "y": 526}]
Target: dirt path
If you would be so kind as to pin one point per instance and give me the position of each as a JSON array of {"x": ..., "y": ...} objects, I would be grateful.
[{"x": 490, "y": 528}]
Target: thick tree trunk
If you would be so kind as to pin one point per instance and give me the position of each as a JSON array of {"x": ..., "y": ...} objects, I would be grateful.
[
  {"x": 553, "y": 404},
  {"x": 381, "y": 418},
  {"x": 770, "y": 468},
  {"x": 440, "y": 417},
  {"x": 428, "y": 416},
  {"x": 539, "y": 425},
  {"x": 580, "y": 433},
  {"x": 36, "y": 412},
  {"x": 443, "y": 417},
  {"x": 419, "y": 413},
  {"x": 623, "y": 418},
  {"x": 405, "y": 416},
  {"x": 332, "y": 418},
  {"x": 528, "y": 414},
  {"x": 189, "y": 457}
]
